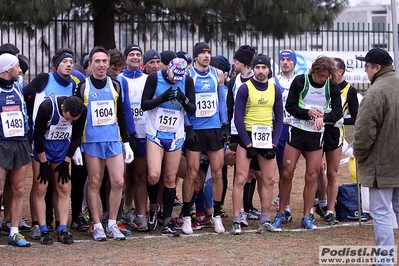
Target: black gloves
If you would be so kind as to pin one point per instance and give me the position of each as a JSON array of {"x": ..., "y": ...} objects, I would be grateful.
[
  {"x": 181, "y": 97},
  {"x": 63, "y": 172},
  {"x": 225, "y": 132},
  {"x": 270, "y": 153},
  {"x": 251, "y": 152},
  {"x": 191, "y": 137},
  {"x": 168, "y": 95},
  {"x": 44, "y": 173},
  {"x": 132, "y": 141}
]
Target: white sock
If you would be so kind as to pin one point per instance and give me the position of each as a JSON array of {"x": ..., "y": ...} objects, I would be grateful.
[
  {"x": 96, "y": 226},
  {"x": 111, "y": 223},
  {"x": 322, "y": 203},
  {"x": 328, "y": 212},
  {"x": 287, "y": 208},
  {"x": 13, "y": 231}
]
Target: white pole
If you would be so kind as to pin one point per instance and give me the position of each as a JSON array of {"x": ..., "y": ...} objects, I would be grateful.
[{"x": 395, "y": 35}]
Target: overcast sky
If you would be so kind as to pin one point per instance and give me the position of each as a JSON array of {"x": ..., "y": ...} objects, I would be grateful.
[{"x": 369, "y": 2}]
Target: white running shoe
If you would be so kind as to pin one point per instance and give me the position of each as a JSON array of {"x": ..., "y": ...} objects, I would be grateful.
[
  {"x": 268, "y": 226},
  {"x": 219, "y": 228},
  {"x": 99, "y": 235},
  {"x": 186, "y": 227},
  {"x": 244, "y": 218},
  {"x": 236, "y": 229},
  {"x": 115, "y": 232}
]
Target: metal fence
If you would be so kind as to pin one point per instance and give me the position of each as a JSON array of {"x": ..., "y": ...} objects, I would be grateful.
[{"x": 40, "y": 45}]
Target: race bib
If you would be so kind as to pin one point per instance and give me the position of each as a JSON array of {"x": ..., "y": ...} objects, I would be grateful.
[
  {"x": 206, "y": 104},
  {"x": 13, "y": 122},
  {"x": 138, "y": 114},
  {"x": 262, "y": 137},
  {"x": 167, "y": 120},
  {"x": 63, "y": 130},
  {"x": 102, "y": 113}
]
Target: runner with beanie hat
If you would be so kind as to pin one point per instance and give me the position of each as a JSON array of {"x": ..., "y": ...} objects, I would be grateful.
[
  {"x": 166, "y": 57},
  {"x": 206, "y": 130},
  {"x": 200, "y": 47},
  {"x": 132, "y": 47},
  {"x": 151, "y": 61},
  {"x": 242, "y": 61},
  {"x": 244, "y": 54}
]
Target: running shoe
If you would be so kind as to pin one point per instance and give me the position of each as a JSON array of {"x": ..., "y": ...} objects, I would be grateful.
[
  {"x": 321, "y": 211},
  {"x": 186, "y": 226},
  {"x": 99, "y": 234},
  {"x": 243, "y": 219},
  {"x": 311, "y": 216},
  {"x": 288, "y": 216},
  {"x": 128, "y": 217},
  {"x": 90, "y": 230},
  {"x": 80, "y": 224},
  {"x": 206, "y": 222},
  {"x": 141, "y": 224},
  {"x": 236, "y": 228},
  {"x": 18, "y": 240},
  {"x": 113, "y": 231},
  {"x": 23, "y": 226},
  {"x": 278, "y": 220},
  {"x": 123, "y": 229},
  {"x": 330, "y": 219},
  {"x": 252, "y": 215},
  {"x": 307, "y": 223},
  {"x": 268, "y": 226},
  {"x": 218, "y": 222},
  {"x": 169, "y": 230},
  {"x": 5, "y": 227},
  {"x": 223, "y": 213},
  {"x": 45, "y": 238},
  {"x": 65, "y": 237},
  {"x": 177, "y": 202},
  {"x": 35, "y": 232},
  {"x": 152, "y": 220}
]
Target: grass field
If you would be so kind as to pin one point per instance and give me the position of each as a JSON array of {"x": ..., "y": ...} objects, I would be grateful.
[{"x": 290, "y": 247}]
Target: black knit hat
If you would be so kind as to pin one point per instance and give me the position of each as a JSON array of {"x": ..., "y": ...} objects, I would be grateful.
[
  {"x": 199, "y": 47},
  {"x": 167, "y": 56},
  {"x": 245, "y": 54},
  {"x": 132, "y": 47},
  {"x": 23, "y": 63},
  {"x": 262, "y": 59},
  {"x": 151, "y": 54}
]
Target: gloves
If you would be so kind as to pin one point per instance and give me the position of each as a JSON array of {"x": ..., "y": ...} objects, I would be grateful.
[
  {"x": 270, "y": 153},
  {"x": 251, "y": 152},
  {"x": 191, "y": 137},
  {"x": 129, "y": 153},
  {"x": 44, "y": 174},
  {"x": 168, "y": 95},
  {"x": 225, "y": 132},
  {"x": 77, "y": 157},
  {"x": 339, "y": 123},
  {"x": 132, "y": 141},
  {"x": 63, "y": 172},
  {"x": 181, "y": 97}
]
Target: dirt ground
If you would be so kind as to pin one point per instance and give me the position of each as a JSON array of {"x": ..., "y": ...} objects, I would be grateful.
[{"x": 290, "y": 247}]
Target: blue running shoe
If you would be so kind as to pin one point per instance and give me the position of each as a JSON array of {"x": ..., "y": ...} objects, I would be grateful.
[
  {"x": 280, "y": 218},
  {"x": 307, "y": 223},
  {"x": 18, "y": 240}
]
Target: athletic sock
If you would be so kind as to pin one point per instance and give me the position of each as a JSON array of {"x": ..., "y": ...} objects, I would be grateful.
[
  {"x": 153, "y": 193},
  {"x": 168, "y": 200}
]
